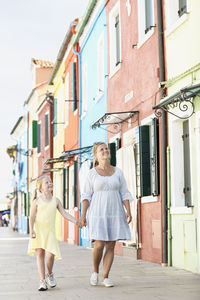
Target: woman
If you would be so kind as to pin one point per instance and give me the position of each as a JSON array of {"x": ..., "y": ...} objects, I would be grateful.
[{"x": 104, "y": 197}]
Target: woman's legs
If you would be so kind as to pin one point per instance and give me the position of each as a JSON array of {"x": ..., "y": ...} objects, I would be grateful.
[
  {"x": 97, "y": 254},
  {"x": 108, "y": 258},
  {"x": 50, "y": 262},
  {"x": 40, "y": 262}
]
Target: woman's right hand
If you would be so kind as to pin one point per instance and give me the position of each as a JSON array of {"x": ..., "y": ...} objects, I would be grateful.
[
  {"x": 82, "y": 222},
  {"x": 32, "y": 234}
]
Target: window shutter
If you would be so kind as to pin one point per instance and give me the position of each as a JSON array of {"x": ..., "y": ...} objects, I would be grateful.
[
  {"x": 64, "y": 188},
  {"x": 155, "y": 159},
  {"x": 145, "y": 176},
  {"x": 182, "y": 7},
  {"x": 117, "y": 32},
  {"x": 186, "y": 153},
  {"x": 38, "y": 138},
  {"x": 137, "y": 156},
  {"x": 112, "y": 147},
  {"x": 46, "y": 130},
  {"x": 67, "y": 187},
  {"x": 75, "y": 184},
  {"x": 34, "y": 133},
  {"x": 148, "y": 15},
  {"x": 25, "y": 205},
  {"x": 29, "y": 204},
  {"x": 73, "y": 87},
  {"x": 54, "y": 117}
]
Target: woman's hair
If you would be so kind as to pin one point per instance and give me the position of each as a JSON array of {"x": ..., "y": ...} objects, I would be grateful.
[
  {"x": 94, "y": 150},
  {"x": 38, "y": 186}
]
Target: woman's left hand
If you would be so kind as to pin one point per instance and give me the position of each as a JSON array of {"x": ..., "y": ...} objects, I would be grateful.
[{"x": 128, "y": 218}]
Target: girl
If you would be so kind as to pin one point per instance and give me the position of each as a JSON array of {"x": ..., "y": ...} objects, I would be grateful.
[
  {"x": 103, "y": 198},
  {"x": 42, "y": 229}
]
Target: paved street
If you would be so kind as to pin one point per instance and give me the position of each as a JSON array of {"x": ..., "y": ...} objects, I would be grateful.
[{"x": 133, "y": 279}]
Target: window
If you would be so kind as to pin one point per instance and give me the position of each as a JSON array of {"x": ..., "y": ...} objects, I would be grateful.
[
  {"x": 115, "y": 39},
  {"x": 39, "y": 137},
  {"x": 55, "y": 117},
  {"x": 174, "y": 11},
  {"x": 46, "y": 129},
  {"x": 34, "y": 134},
  {"x": 180, "y": 164},
  {"x": 73, "y": 87},
  {"x": 147, "y": 159},
  {"x": 100, "y": 65},
  {"x": 84, "y": 88},
  {"x": 145, "y": 20},
  {"x": 67, "y": 98}
]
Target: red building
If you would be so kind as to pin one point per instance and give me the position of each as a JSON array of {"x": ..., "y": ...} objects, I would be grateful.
[{"x": 133, "y": 88}]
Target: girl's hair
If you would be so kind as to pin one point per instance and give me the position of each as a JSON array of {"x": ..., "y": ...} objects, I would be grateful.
[
  {"x": 38, "y": 186},
  {"x": 94, "y": 150}
]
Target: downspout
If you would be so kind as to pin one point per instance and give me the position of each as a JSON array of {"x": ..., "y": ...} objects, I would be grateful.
[
  {"x": 163, "y": 133},
  {"x": 80, "y": 123}
]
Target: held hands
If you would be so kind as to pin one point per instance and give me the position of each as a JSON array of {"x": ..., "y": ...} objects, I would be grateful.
[{"x": 82, "y": 222}]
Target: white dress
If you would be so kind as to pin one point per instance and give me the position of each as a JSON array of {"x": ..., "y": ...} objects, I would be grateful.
[{"x": 106, "y": 217}]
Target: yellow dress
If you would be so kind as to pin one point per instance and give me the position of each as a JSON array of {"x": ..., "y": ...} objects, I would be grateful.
[{"x": 44, "y": 227}]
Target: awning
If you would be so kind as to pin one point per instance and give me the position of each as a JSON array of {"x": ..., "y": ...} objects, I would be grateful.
[
  {"x": 55, "y": 160},
  {"x": 181, "y": 100},
  {"x": 114, "y": 118},
  {"x": 51, "y": 170},
  {"x": 71, "y": 153}
]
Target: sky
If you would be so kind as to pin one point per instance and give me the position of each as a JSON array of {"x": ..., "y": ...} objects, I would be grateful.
[{"x": 28, "y": 29}]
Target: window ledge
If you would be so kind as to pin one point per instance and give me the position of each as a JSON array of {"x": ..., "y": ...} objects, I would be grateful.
[
  {"x": 181, "y": 210},
  {"x": 178, "y": 23},
  {"x": 149, "y": 199},
  {"x": 146, "y": 37},
  {"x": 114, "y": 70},
  {"x": 75, "y": 112}
]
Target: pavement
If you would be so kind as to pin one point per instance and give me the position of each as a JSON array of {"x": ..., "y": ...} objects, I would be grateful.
[{"x": 134, "y": 279}]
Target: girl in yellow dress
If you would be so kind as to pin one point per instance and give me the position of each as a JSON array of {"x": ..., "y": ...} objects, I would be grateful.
[{"x": 42, "y": 229}]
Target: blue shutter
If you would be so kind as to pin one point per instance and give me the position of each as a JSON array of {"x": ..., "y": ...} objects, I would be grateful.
[{"x": 148, "y": 15}]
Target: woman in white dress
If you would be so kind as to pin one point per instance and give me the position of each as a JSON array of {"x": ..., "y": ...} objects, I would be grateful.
[{"x": 104, "y": 197}]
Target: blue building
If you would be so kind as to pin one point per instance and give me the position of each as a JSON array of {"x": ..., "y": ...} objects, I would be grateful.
[{"x": 92, "y": 40}]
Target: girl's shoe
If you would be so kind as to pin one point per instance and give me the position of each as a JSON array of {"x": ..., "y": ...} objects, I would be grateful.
[
  {"x": 107, "y": 282},
  {"x": 94, "y": 278},
  {"x": 51, "y": 280},
  {"x": 43, "y": 285}
]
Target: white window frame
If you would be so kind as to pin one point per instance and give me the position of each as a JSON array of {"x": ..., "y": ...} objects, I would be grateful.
[
  {"x": 112, "y": 37},
  {"x": 148, "y": 121},
  {"x": 84, "y": 89},
  {"x": 142, "y": 36},
  {"x": 47, "y": 146},
  {"x": 177, "y": 159},
  {"x": 171, "y": 26},
  {"x": 100, "y": 67},
  {"x": 67, "y": 98}
]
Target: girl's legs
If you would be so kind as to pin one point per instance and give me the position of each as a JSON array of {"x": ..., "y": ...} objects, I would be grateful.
[
  {"x": 97, "y": 254},
  {"x": 108, "y": 258},
  {"x": 40, "y": 262},
  {"x": 50, "y": 262}
]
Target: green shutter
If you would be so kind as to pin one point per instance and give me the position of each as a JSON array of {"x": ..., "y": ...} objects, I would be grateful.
[
  {"x": 137, "y": 159},
  {"x": 54, "y": 117},
  {"x": 64, "y": 188},
  {"x": 34, "y": 133},
  {"x": 25, "y": 205},
  {"x": 148, "y": 15},
  {"x": 182, "y": 7},
  {"x": 155, "y": 159},
  {"x": 38, "y": 138},
  {"x": 145, "y": 175},
  {"x": 73, "y": 87},
  {"x": 112, "y": 148},
  {"x": 186, "y": 153},
  {"x": 75, "y": 184}
]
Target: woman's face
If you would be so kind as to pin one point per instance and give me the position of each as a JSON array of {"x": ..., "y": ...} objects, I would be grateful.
[
  {"x": 102, "y": 153},
  {"x": 47, "y": 185}
]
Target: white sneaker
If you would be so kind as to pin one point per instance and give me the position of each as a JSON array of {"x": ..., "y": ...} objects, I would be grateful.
[
  {"x": 51, "y": 280},
  {"x": 43, "y": 285},
  {"x": 94, "y": 278},
  {"x": 107, "y": 282}
]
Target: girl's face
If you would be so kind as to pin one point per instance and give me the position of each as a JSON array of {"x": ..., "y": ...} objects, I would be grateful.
[
  {"x": 102, "y": 153},
  {"x": 47, "y": 185}
]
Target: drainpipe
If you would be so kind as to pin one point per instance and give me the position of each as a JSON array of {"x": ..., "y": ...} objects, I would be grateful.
[
  {"x": 80, "y": 123},
  {"x": 163, "y": 133},
  {"x": 169, "y": 231}
]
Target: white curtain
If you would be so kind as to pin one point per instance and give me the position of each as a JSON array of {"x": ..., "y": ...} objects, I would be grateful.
[{"x": 126, "y": 162}]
